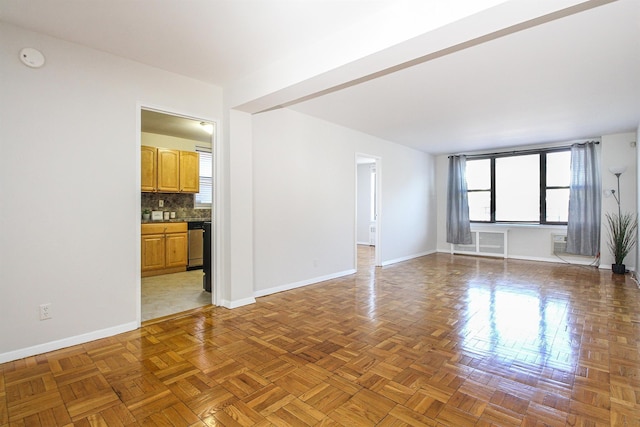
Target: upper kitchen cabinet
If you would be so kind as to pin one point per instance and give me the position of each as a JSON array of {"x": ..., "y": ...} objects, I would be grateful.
[
  {"x": 149, "y": 181},
  {"x": 169, "y": 171},
  {"x": 189, "y": 172}
]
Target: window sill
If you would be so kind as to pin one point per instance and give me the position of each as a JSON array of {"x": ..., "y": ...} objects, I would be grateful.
[{"x": 511, "y": 225}]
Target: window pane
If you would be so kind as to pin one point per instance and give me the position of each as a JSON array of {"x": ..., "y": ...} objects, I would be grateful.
[
  {"x": 480, "y": 205},
  {"x": 478, "y": 174},
  {"x": 558, "y": 205},
  {"x": 518, "y": 188},
  {"x": 559, "y": 169},
  {"x": 205, "y": 197}
]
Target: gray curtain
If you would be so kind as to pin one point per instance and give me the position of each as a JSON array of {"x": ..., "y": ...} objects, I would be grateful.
[
  {"x": 458, "y": 226},
  {"x": 585, "y": 197}
]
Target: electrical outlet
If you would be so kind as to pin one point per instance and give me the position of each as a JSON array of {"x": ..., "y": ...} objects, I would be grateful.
[
  {"x": 161, "y": 203},
  {"x": 45, "y": 311}
]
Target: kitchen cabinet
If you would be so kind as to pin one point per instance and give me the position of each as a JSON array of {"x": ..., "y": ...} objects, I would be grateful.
[
  {"x": 149, "y": 170},
  {"x": 169, "y": 171},
  {"x": 164, "y": 248},
  {"x": 189, "y": 172}
]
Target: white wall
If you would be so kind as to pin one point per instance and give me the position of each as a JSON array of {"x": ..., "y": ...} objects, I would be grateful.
[
  {"x": 239, "y": 200},
  {"x": 69, "y": 184},
  {"x": 618, "y": 150},
  {"x": 363, "y": 200},
  {"x": 171, "y": 142},
  {"x": 533, "y": 242},
  {"x": 304, "y": 200},
  {"x": 637, "y": 192}
]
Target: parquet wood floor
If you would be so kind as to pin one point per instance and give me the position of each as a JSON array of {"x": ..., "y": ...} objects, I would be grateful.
[{"x": 437, "y": 341}]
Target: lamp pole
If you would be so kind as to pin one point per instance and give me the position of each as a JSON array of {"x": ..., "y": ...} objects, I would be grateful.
[{"x": 618, "y": 197}]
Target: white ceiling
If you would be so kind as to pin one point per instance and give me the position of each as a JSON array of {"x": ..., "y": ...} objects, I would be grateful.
[
  {"x": 216, "y": 41},
  {"x": 574, "y": 77},
  {"x": 177, "y": 126}
]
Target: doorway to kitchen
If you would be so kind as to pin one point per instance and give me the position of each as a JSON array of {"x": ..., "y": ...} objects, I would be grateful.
[
  {"x": 177, "y": 231},
  {"x": 367, "y": 211}
]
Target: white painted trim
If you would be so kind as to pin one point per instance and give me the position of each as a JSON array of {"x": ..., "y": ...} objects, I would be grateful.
[
  {"x": 408, "y": 257},
  {"x": 237, "y": 303},
  {"x": 363, "y": 243},
  {"x": 302, "y": 283},
  {"x": 67, "y": 342},
  {"x": 216, "y": 243},
  {"x": 378, "y": 249},
  {"x": 631, "y": 270}
]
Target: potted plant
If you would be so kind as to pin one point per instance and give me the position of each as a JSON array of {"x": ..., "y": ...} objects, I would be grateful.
[
  {"x": 146, "y": 214},
  {"x": 623, "y": 229}
]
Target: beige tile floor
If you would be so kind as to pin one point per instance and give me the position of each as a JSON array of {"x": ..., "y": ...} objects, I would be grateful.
[{"x": 172, "y": 293}]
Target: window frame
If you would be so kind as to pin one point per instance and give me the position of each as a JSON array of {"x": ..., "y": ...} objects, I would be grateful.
[
  {"x": 196, "y": 203},
  {"x": 542, "y": 214}
]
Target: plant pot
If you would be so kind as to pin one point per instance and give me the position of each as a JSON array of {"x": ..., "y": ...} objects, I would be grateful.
[
  {"x": 618, "y": 268},
  {"x": 146, "y": 217}
]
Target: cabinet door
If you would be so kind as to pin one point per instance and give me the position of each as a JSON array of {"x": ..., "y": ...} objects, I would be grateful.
[
  {"x": 149, "y": 172},
  {"x": 153, "y": 252},
  {"x": 176, "y": 250},
  {"x": 189, "y": 172},
  {"x": 168, "y": 170}
]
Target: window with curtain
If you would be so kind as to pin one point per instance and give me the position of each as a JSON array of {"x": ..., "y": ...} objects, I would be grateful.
[
  {"x": 204, "y": 199},
  {"x": 583, "y": 228},
  {"x": 458, "y": 226},
  {"x": 528, "y": 187}
]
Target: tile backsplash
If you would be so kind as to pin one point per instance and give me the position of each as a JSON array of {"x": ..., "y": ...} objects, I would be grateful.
[{"x": 180, "y": 203}]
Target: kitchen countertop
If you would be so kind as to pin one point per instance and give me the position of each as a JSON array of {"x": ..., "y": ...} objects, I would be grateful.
[{"x": 148, "y": 221}]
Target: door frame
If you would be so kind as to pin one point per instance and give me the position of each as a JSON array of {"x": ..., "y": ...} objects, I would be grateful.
[
  {"x": 216, "y": 245},
  {"x": 377, "y": 161}
]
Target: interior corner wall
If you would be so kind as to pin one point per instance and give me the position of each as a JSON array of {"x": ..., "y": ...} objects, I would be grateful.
[
  {"x": 239, "y": 290},
  {"x": 70, "y": 184},
  {"x": 618, "y": 150},
  {"x": 637, "y": 192},
  {"x": 304, "y": 199}
]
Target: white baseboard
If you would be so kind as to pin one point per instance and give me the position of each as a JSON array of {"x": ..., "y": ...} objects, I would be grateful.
[
  {"x": 237, "y": 303},
  {"x": 608, "y": 267},
  {"x": 364, "y": 243},
  {"x": 66, "y": 342},
  {"x": 407, "y": 258},
  {"x": 302, "y": 283}
]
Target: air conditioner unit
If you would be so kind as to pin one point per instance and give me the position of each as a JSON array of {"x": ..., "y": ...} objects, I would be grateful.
[{"x": 559, "y": 244}]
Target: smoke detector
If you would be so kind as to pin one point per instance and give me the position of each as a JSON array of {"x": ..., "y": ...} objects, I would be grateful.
[{"x": 32, "y": 57}]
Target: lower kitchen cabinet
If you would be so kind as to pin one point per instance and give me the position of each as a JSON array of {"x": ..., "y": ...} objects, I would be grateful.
[
  {"x": 176, "y": 249},
  {"x": 164, "y": 248}
]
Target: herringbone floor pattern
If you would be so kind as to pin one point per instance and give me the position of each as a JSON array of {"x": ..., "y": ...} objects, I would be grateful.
[{"x": 437, "y": 341}]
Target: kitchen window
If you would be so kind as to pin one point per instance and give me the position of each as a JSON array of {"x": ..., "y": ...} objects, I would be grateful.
[
  {"x": 204, "y": 198},
  {"x": 526, "y": 187}
]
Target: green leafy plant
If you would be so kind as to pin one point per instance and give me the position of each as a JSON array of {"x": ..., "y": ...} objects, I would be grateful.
[
  {"x": 623, "y": 229},
  {"x": 146, "y": 211}
]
